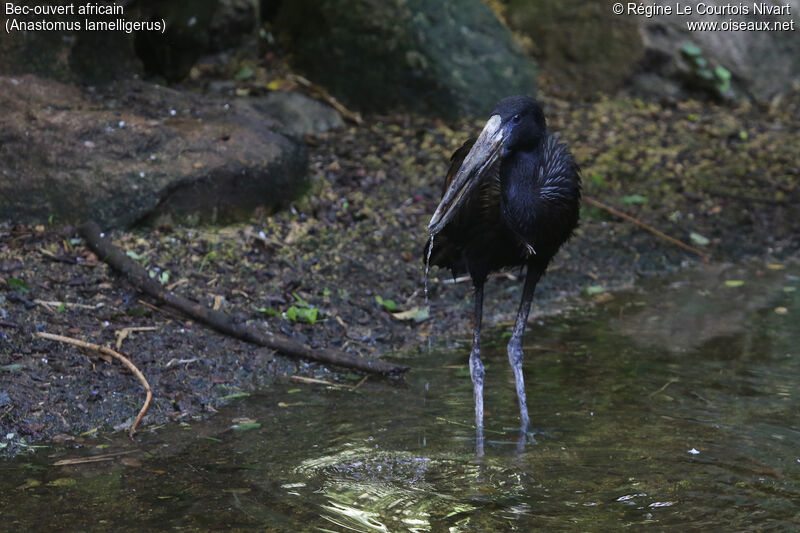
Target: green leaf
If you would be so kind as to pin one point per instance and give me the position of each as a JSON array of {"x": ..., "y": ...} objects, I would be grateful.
[
  {"x": 591, "y": 290},
  {"x": 698, "y": 239},
  {"x": 62, "y": 306},
  {"x": 18, "y": 285},
  {"x": 13, "y": 367},
  {"x": 389, "y": 305},
  {"x": 268, "y": 311},
  {"x": 246, "y": 426},
  {"x": 734, "y": 283},
  {"x": 300, "y": 301},
  {"x": 417, "y": 314},
  {"x": 133, "y": 255},
  {"x": 235, "y": 396},
  {"x": 163, "y": 278},
  {"x": 634, "y": 199},
  {"x": 302, "y": 314},
  {"x": 690, "y": 50},
  {"x": 722, "y": 73},
  {"x": 245, "y": 73}
]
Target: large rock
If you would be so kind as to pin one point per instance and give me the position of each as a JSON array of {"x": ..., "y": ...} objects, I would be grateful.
[
  {"x": 761, "y": 64},
  {"x": 69, "y": 54},
  {"x": 444, "y": 57},
  {"x": 138, "y": 151},
  {"x": 583, "y": 48}
]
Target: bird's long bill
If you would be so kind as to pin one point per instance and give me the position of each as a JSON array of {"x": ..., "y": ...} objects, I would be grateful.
[{"x": 483, "y": 155}]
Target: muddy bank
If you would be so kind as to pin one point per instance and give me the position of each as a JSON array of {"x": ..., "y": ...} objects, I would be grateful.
[{"x": 722, "y": 179}]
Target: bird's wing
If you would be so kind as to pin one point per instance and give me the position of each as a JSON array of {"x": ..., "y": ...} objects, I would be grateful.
[{"x": 456, "y": 160}]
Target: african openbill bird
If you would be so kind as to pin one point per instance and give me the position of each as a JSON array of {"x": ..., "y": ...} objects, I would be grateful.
[{"x": 510, "y": 199}]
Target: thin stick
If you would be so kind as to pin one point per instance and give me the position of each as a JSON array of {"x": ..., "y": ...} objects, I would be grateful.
[
  {"x": 57, "y": 304},
  {"x": 325, "y": 95},
  {"x": 361, "y": 382},
  {"x": 124, "y": 360},
  {"x": 591, "y": 201},
  {"x": 156, "y": 308},
  {"x": 667, "y": 384},
  {"x": 220, "y": 321},
  {"x": 92, "y": 459}
]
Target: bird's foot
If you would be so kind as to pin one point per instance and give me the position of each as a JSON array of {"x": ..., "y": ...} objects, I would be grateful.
[{"x": 526, "y": 436}]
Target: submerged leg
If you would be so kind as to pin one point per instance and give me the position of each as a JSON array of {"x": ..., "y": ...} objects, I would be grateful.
[
  {"x": 515, "y": 344},
  {"x": 476, "y": 370}
]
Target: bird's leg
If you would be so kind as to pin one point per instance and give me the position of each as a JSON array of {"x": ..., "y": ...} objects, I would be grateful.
[
  {"x": 515, "y": 344},
  {"x": 476, "y": 370}
]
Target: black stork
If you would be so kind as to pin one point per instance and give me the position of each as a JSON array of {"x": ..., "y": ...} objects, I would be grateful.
[{"x": 511, "y": 198}]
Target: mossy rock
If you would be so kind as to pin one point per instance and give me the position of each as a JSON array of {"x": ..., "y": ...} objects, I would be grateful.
[{"x": 443, "y": 57}]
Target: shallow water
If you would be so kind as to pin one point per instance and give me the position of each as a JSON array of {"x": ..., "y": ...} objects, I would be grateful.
[{"x": 674, "y": 405}]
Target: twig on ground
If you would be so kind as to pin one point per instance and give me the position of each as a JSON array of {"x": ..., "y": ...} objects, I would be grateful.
[
  {"x": 667, "y": 384},
  {"x": 50, "y": 304},
  {"x": 315, "y": 381},
  {"x": 591, "y": 201},
  {"x": 92, "y": 459},
  {"x": 156, "y": 308},
  {"x": 124, "y": 360},
  {"x": 122, "y": 334},
  {"x": 325, "y": 95},
  {"x": 221, "y": 322}
]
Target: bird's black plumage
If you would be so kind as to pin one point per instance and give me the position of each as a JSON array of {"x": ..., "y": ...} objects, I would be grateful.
[
  {"x": 530, "y": 196},
  {"x": 511, "y": 198}
]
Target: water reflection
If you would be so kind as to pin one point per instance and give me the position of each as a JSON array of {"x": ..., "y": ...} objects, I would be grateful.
[{"x": 672, "y": 405}]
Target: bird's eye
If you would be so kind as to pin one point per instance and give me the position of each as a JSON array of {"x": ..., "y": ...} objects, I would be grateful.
[{"x": 516, "y": 118}]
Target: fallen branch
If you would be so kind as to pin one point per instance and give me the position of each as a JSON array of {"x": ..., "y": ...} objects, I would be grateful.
[
  {"x": 591, "y": 201},
  {"x": 124, "y": 360},
  {"x": 325, "y": 95},
  {"x": 218, "y": 320}
]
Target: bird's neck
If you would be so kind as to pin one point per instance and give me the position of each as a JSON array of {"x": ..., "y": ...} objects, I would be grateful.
[{"x": 519, "y": 188}]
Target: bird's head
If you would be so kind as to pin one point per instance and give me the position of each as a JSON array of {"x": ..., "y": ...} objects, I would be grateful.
[{"x": 517, "y": 123}]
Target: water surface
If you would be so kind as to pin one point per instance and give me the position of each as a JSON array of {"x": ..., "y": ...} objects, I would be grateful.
[{"x": 674, "y": 405}]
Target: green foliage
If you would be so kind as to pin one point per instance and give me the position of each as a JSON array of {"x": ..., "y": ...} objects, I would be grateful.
[
  {"x": 592, "y": 290},
  {"x": 634, "y": 199},
  {"x": 18, "y": 285},
  {"x": 389, "y": 305},
  {"x": 163, "y": 277},
  {"x": 716, "y": 79},
  {"x": 698, "y": 239},
  {"x": 302, "y": 311},
  {"x": 302, "y": 314},
  {"x": 245, "y": 73}
]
